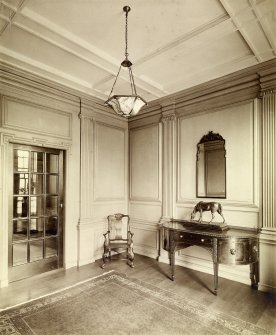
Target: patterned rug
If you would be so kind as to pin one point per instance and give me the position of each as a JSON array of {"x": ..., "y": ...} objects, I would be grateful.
[{"x": 115, "y": 304}]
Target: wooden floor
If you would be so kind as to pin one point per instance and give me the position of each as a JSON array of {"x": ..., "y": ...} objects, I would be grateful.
[{"x": 233, "y": 298}]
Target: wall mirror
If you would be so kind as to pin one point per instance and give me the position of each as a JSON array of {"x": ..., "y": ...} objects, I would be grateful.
[{"x": 211, "y": 167}]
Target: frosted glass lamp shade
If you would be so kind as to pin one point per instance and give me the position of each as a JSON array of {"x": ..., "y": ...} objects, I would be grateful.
[{"x": 126, "y": 105}]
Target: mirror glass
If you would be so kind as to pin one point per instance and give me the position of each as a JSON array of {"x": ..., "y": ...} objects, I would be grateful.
[{"x": 211, "y": 167}]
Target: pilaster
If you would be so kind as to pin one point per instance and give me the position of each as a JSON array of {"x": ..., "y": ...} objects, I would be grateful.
[
  {"x": 269, "y": 159},
  {"x": 268, "y": 231},
  {"x": 169, "y": 127},
  {"x": 4, "y": 222}
]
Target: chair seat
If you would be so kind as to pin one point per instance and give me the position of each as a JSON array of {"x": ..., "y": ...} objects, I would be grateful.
[{"x": 118, "y": 244}]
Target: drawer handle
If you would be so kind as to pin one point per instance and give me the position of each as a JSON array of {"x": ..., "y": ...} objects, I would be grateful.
[
  {"x": 233, "y": 251},
  {"x": 202, "y": 240},
  {"x": 181, "y": 236}
]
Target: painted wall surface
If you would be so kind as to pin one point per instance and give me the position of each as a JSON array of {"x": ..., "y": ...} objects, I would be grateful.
[
  {"x": 239, "y": 125},
  {"x": 104, "y": 179},
  {"x": 145, "y": 187},
  {"x": 145, "y": 167}
]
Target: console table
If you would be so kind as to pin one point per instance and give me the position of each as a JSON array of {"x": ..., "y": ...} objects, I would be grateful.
[{"x": 232, "y": 246}]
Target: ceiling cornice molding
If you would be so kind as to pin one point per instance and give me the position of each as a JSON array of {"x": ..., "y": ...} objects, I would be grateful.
[
  {"x": 242, "y": 85},
  {"x": 267, "y": 80},
  {"x": 29, "y": 82},
  {"x": 15, "y": 77},
  {"x": 247, "y": 58}
]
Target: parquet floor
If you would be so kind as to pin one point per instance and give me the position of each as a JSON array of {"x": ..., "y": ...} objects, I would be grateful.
[{"x": 233, "y": 298}]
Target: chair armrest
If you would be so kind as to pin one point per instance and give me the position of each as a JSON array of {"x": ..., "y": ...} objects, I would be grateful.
[
  {"x": 130, "y": 235},
  {"x": 106, "y": 236}
]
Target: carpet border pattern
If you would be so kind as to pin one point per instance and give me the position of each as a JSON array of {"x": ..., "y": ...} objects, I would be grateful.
[{"x": 191, "y": 308}]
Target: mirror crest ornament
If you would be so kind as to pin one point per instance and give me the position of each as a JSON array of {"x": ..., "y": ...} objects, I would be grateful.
[{"x": 211, "y": 166}]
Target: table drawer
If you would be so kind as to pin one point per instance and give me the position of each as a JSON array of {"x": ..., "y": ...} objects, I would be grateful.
[
  {"x": 238, "y": 251},
  {"x": 192, "y": 239}
]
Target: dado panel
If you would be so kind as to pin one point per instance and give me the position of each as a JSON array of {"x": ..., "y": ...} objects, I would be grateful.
[
  {"x": 110, "y": 163},
  {"x": 145, "y": 164}
]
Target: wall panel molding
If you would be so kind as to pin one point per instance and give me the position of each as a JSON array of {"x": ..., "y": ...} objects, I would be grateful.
[
  {"x": 145, "y": 163},
  {"x": 110, "y": 155},
  {"x": 22, "y": 115}
]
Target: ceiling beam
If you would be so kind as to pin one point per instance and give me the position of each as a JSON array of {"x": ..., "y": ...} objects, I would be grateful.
[
  {"x": 249, "y": 28},
  {"x": 13, "y": 11},
  {"x": 68, "y": 42}
]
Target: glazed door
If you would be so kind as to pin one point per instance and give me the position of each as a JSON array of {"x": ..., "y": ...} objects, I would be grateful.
[{"x": 35, "y": 214}]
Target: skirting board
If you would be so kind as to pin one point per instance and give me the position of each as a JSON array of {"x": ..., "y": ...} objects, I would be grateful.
[
  {"x": 4, "y": 283},
  {"x": 86, "y": 261},
  {"x": 144, "y": 251},
  {"x": 267, "y": 288},
  {"x": 70, "y": 264}
]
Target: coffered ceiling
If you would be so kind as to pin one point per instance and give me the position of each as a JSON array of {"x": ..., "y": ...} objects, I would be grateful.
[{"x": 173, "y": 44}]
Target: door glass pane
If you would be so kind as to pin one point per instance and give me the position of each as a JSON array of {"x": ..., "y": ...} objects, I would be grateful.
[
  {"x": 21, "y": 183},
  {"x": 21, "y": 160},
  {"x": 36, "y": 228},
  {"x": 34, "y": 220},
  {"x": 36, "y": 183},
  {"x": 51, "y": 225},
  {"x": 36, "y": 250},
  {"x": 19, "y": 253},
  {"x": 20, "y": 207},
  {"x": 51, "y": 184},
  {"x": 37, "y": 161},
  {"x": 36, "y": 204},
  {"x": 51, "y": 205},
  {"x": 51, "y": 247},
  {"x": 20, "y": 230},
  {"x": 51, "y": 163}
]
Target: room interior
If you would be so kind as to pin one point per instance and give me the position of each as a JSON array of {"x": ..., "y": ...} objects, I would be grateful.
[{"x": 201, "y": 67}]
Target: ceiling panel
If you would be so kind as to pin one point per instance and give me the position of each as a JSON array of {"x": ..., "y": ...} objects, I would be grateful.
[{"x": 174, "y": 44}]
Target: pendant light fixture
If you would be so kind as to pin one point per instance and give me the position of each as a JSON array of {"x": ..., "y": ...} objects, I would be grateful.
[{"x": 126, "y": 105}]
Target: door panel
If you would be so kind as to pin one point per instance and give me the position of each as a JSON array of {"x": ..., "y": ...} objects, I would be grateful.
[{"x": 35, "y": 216}]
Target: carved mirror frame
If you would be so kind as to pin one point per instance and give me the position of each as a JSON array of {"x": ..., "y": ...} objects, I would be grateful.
[{"x": 211, "y": 167}]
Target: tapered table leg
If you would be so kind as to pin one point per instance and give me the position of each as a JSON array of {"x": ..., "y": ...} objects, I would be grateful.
[
  {"x": 215, "y": 278},
  {"x": 254, "y": 275},
  {"x": 172, "y": 262},
  {"x": 215, "y": 263}
]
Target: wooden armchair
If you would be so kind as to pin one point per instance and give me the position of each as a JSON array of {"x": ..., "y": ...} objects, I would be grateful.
[{"x": 118, "y": 238}]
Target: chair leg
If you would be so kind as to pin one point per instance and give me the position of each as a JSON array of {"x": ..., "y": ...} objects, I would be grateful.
[
  {"x": 130, "y": 257},
  {"x": 105, "y": 255},
  {"x": 103, "y": 265}
]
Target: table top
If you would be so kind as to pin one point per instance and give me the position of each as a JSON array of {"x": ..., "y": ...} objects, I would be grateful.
[{"x": 212, "y": 230}]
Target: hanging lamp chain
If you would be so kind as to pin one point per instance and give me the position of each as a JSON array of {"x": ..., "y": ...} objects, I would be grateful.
[{"x": 126, "y": 32}]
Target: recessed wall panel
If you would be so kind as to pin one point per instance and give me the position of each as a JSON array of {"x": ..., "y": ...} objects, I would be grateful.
[
  {"x": 144, "y": 164},
  {"x": 236, "y": 126},
  {"x": 26, "y": 116},
  {"x": 110, "y": 163}
]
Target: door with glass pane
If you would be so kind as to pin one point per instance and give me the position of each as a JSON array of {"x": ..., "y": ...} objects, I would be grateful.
[{"x": 35, "y": 215}]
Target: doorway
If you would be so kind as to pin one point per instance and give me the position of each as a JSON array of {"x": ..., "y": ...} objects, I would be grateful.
[{"x": 35, "y": 211}]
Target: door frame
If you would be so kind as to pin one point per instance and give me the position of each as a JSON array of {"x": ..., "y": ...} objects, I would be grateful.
[{"x": 46, "y": 264}]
